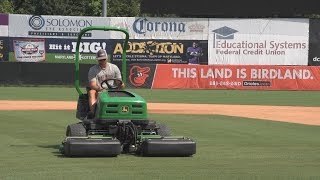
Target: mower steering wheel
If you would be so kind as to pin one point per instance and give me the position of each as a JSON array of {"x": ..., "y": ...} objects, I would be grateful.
[{"x": 111, "y": 83}]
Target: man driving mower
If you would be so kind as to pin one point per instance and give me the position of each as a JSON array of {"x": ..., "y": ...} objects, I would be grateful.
[
  {"x": 120, "y": 122},
  {"x": 99, "y": 73}
]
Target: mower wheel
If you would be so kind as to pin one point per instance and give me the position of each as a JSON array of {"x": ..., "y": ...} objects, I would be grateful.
[
  {"x": 164, "y": 130},
  {"x": 76, "y": 130}
]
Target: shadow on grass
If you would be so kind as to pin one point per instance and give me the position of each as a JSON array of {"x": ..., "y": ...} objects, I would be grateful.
[
  {"x": 58, "y": 154},
  {"x": 50, "y": 146},
  {"x": 56, "y": 151}
]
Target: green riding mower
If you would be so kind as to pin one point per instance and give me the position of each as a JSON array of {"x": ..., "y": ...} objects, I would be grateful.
[{"x": 120, "y": 123}]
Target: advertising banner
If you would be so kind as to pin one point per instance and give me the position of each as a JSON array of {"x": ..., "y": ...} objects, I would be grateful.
[
  {"x": 139, "y": 51},
  {"x": 163, "y": 52},
  {"x": 4, "y": 50},
  {"x": 258, "y": 41},
  {"x": 4, "y": 20},
  {"x": 140, "y": 75},
  {"x": 29, "y": 50},
  {"x": 162, "y": 28},
  {"x": 237, "y": 77},
  {"x": 63, "y": 50},
  {"x": 314, "y": 42},
  {"x": 55, "y": 26}
]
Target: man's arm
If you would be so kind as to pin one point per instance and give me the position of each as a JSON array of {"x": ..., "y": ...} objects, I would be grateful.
[
  {"x": 198, "y": 53},
  {"x": 93, "y": 85},
  {"x": 93, "y": 80},
  {"x": 118, "y": 76},
  {"x": 188, "y": 53},
  {"x": 122, "y": 86}
]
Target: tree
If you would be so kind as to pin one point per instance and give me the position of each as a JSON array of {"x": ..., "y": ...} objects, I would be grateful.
[
  {"x": 49, "y": 7},
  {"x": 116, "y": 8},
  {"x": 123, "y": 8},
  {"x": 94, "y": 8},
  {"x": 312, "y": 16},
  {"x": 24, "y": 6},
  {"x": 6, "y": 6}
]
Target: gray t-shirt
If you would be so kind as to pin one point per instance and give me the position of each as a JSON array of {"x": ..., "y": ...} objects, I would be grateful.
[{"x": 96, "y": 73}]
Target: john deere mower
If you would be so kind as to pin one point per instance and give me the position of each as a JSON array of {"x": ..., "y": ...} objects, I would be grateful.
[{"x": 120, "y": 123}]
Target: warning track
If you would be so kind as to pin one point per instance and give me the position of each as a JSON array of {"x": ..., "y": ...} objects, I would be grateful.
[{"x": 293, "y": 114}]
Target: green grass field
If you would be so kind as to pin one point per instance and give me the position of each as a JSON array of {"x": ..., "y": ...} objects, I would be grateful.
[
  {"x": 291, "y": 98},
  {"x": 230, "y": 148}
]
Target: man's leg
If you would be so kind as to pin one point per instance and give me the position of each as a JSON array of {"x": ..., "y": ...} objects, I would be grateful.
[{"x": 92, "y": 100}]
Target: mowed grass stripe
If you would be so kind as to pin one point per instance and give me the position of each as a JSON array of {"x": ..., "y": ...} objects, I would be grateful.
[
  {"x": 281, "y": 98},
  {"x": 227, "y": 148}
]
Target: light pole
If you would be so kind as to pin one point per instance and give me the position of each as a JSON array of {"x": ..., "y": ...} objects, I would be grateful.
[{"x": 104, "y": 8}]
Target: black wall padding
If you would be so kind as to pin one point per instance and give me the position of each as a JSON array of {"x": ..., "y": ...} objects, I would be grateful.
[{"x": 24, "y": 73}]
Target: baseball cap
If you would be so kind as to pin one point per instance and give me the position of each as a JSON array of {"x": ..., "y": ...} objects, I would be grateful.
[{"x": 102, "y": 54}]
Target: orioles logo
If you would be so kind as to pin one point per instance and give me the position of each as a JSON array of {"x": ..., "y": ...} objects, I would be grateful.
[{"x": 138, "y": 75}]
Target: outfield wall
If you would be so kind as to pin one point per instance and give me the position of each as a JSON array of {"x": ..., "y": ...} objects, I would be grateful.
[
  {"x": 271, "y": 54},
  {"x": 174, "y": 76},
  {"x": 273, "y": 41}
]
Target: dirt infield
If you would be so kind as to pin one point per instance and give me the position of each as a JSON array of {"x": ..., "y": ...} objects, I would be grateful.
[{"x": 293, "y": 114}]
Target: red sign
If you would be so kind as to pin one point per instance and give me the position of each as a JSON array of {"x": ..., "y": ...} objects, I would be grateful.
[{"x": 264, "y": 77}]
